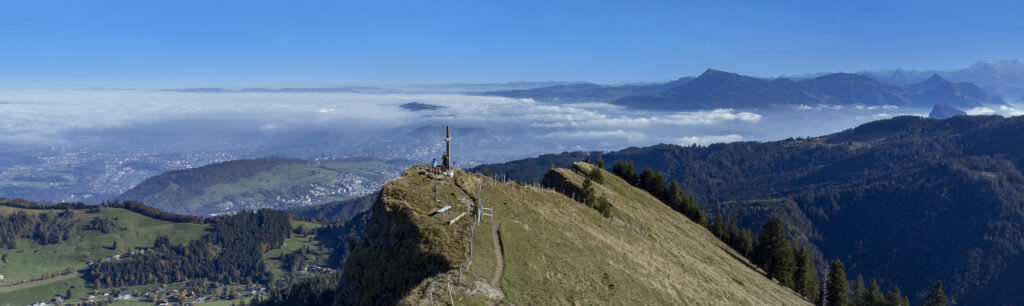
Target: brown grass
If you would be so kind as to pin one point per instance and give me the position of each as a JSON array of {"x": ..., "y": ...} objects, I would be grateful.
[{"x": 558, "y": 251}]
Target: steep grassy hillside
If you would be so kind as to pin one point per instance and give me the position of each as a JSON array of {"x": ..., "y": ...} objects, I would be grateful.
[
  {"x": 260, "y": 183},
  {"x": 909, "y": 200},
  {"x": 543, "y": 248}
]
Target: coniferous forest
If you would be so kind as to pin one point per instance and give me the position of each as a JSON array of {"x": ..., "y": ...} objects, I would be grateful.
[{"x": 232, "y": 253}]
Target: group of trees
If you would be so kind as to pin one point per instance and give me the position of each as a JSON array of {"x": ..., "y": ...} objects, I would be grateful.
[
  {"x": 670, "y": 193},
  {"x": 319, "y": 290},
  {"x": 791, "y": 266},
  {"x": 102, "y": 224},
  {"x": 589, "y": 194},
  {"x": 741, "y": 240},
  {"x": 47, "y": 228},
  {"x": 232, "y": 253},
  {"x": 837, "y": 292}
]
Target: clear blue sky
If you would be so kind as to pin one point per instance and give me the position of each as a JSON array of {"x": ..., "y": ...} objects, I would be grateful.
[{"x": 322, "y": 42}]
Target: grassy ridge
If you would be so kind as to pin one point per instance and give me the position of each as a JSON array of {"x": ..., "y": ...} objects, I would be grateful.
[{"x": 555, "y": 250}]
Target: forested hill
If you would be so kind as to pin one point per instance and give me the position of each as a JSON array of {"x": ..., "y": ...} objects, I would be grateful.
[
  {"x": 277, "y": 183},
  {"x": 126, "y": 251},
  {"x": 909, "y": 200}
]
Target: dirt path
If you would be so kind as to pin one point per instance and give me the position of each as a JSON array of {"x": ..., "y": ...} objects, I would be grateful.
[{"x": 499, "y": 268}]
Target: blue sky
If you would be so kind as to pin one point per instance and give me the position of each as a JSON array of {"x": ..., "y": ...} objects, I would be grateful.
[{"x": 267, "y": 43}]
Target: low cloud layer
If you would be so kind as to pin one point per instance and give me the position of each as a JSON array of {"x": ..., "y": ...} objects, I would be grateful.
[
  {"x": 213, "y": 121},
  {"x": 995, "y": 110},
  {"x": 707, "y": 140}
]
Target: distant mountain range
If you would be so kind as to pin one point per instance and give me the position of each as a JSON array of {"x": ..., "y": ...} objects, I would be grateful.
[
  {"x": 586, "y": 92},
  {"x": 718, "y": 89},
  {"x": 278, "y": 183},
  {"x": 1004, "y": 78},
  {"x": 910, "y": 200}
]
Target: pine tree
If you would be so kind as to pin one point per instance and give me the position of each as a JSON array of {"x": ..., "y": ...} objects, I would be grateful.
[
  {"x": 745, "y": 243},
  {"x": 820, "y": 301},
  {"x": 698, "y": 215},
  {"x": 858, "y": 292},
  {"x": 600, "y": 163},
  {"x": 718, "y": 227},
  {"x": 625, "y": 170},
  {"x": 837, "y": 293},
  {"x": 684, "y": 204},
  {"x": 895, "y": 298},
  {"x": 935, "y": 297},
  {"x": 772, "y": 253},
  {"x": 605, "y": 207},
  {"x": 654, "y": 183},
  {"x": 676, "y": 198},
  {"x": 589, "y": 196},
  {"x": 873, "y": 295},
  {"x": 805, "y": 279},
  {"x": 597, "y": 175},
  {"x": 114, "y": 246},
  {"x": 732, "y": 233}
]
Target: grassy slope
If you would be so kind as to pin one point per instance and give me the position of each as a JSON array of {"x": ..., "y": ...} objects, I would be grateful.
[
  {"x": 557, "y": 251},
  {"x": 274, "y": 259},
  {"x": 30, "y": 259}
]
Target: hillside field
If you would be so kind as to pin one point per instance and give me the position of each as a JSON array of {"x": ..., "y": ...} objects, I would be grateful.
[{"x": 30, "y": 260}]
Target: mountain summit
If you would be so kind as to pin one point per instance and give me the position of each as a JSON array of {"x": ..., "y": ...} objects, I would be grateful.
[
  {"x": 542, "y": 247},
  {"x": 943, "y": 111}
]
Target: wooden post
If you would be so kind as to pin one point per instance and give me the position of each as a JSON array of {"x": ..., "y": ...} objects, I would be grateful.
[{"x": 450, "y": 297}]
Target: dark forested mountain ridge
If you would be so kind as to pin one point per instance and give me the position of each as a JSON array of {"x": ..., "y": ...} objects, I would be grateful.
[{"x": 910, "y": 200}]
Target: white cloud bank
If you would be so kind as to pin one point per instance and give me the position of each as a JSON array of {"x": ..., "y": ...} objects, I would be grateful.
[
  {"x": 995, "y": 110},
  {"x": 707, "y": 140},
  {"x": 59, "y": 116}
]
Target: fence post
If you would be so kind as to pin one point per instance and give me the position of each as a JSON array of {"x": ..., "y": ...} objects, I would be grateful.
[{"x": 450, "y": 297}]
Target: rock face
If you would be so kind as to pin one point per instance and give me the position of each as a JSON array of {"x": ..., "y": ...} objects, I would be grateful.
[{"x": 943, "y": 111}]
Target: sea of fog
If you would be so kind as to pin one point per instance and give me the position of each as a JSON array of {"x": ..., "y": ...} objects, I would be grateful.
[
  {"x": 339, "y": 122},
  {"x": 92, "y": 145}
]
